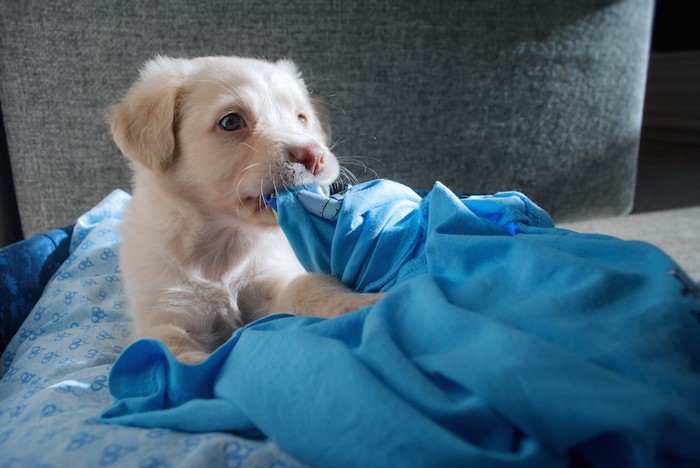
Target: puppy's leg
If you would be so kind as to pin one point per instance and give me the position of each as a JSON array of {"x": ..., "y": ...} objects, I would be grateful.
[
  {"x": 321, "y": 296},
  {"x": 178, "y": 340},
  {"x": 191, "y": 319}
]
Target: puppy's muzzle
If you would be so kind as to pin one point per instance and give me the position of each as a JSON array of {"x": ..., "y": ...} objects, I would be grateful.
[{"x": 312, "y": 156}]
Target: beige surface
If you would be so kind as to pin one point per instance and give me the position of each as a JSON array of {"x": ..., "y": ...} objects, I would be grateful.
[{"x": 677, "y": 232}]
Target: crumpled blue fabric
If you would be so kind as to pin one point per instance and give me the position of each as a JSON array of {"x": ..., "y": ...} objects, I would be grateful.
[
  {"x": 500, "y": 341},
  {"x": 379, "y": 234},
  {"x": 25, "y": 268}
]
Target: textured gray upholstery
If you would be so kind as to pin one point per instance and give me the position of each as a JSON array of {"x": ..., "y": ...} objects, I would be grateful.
[{"x": 489, "y": 95}]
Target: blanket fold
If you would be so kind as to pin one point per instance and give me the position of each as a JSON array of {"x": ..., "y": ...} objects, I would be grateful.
[
  {"x": 25, "y": 269},
  {"x": 501, "y": 340}
]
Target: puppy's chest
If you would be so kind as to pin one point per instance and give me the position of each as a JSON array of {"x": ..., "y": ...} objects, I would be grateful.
[
  {"x": 254, "y": 284},
  {"x": 220, "y": 254},
  {"x": 245, "y": 265}
]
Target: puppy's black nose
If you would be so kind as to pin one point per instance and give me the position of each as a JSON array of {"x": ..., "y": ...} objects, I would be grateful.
[{"x": 312, "y": 156}]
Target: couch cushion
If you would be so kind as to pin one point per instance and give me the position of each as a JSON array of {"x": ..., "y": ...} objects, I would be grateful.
[{"x": 543, "y": 97}]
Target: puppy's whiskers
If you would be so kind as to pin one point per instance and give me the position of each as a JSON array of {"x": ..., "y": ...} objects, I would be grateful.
[
  {"x": 240, "y": 174},
  {"x": 249, "y": 146},
  {"x": 356, "y": 157},
  {"x": 336, "y": 143},
  {"x": 240, "y": 179},
  {"x": 327, "y": 103},
  {"x": 261, "y": 199},
  {"x": 274, "y": 186},
  {"x": 272, "y": 179},
  {"x": 357, "y": 161},
  {"x": 347, "y": 175},
  {"x": 317, "y": 81}
]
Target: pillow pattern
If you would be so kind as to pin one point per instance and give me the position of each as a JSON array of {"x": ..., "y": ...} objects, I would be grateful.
[{"x": 54, "y": 372}]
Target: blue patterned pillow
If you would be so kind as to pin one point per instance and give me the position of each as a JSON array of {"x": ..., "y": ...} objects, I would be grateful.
[{"x": 54, "y": 372}]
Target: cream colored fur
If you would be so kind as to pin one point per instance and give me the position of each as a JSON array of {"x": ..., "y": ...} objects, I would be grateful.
[{"x": 202, "y": 254}]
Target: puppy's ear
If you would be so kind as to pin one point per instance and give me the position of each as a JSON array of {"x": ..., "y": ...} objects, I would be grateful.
[{"x": 143, "y": 124}]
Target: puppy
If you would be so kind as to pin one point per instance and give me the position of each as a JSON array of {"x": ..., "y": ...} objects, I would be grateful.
[{"x": 202, "y": 253}]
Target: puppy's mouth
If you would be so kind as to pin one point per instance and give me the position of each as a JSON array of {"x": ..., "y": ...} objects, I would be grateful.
[
  {"x": 265, "y": 203},
  {"x": 286, "y": 171}
]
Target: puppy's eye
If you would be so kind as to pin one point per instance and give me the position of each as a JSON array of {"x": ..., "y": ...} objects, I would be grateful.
[
  {"x": 302, "y": 118},
  {"x": 232, "y": 122}
]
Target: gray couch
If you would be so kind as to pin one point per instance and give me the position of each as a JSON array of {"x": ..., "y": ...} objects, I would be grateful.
[
  {"x": 543, "y": 97},
  {"x": 484, "y": 95}
]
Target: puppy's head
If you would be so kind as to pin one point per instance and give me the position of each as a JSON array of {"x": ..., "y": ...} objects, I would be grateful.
[{"x": 224, "y": 131}]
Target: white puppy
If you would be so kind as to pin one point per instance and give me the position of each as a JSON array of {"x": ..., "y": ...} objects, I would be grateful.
[{"x": 202, "y": 253}]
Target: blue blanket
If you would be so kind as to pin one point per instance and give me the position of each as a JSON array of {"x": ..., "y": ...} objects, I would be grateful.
[
  {"x": 501, "y": 340},
  {"x": 25, "y": 269}
]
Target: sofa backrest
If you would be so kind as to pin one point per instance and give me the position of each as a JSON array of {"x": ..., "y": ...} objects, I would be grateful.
[{"x": 484, "y": 95}]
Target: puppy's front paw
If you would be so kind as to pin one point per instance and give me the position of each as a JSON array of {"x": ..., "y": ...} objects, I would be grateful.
[
  {"x": 180, "y": 343},
  {"x": 349, "y": 302},
  {"x": 322, "y": 296},
  {"x": 192, "y": 357},
  {"x": 361, "y": 300}
]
